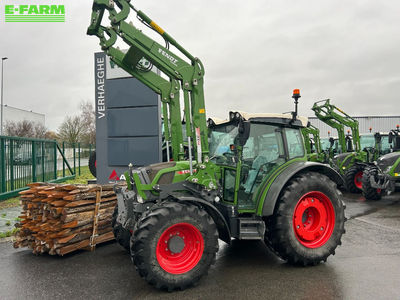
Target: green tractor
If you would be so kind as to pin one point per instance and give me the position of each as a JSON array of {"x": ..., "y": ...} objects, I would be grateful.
[
  {"x": 313, "y": 144},
  {"x": 351, "y": 160},
  {"x": 384, "y": 174},
  {"x": 252, "y": 182},
  {"x": 330, "y": 145},
  {"x": 377, "y": 142}
]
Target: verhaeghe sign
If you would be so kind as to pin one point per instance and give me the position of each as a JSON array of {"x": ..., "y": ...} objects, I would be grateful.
[
  {"x": 128, "y": 124},
  {"x": 100, "y": 76}
]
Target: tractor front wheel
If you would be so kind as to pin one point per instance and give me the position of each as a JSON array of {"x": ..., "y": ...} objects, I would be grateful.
[
  {"x": 353, "y": 178},
  {"x": 174, "y": 245},
  {"x": 368, "y": 191},
  {"x": 122, "y": 235},
  {"x": 308, "y": 222}
]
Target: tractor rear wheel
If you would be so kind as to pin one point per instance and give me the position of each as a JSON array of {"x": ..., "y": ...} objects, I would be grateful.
[
  {"x": 122, "y": 235},
  {"x": 174, "y": 245},
  {"x": 308, "y": 221},
  {"x": 368, "y": 191},
  {"x": 353, "y": 178}
]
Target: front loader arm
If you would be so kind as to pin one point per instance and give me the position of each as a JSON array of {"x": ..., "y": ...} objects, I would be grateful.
[{"x": 337, "y": 118}]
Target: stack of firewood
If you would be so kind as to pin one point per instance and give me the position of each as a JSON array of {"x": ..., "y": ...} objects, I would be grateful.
[{"x": 61, "y": 218}]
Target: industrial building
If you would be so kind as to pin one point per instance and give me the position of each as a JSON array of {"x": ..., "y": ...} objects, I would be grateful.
[
  {"x": 17, "y": 114},
  {"x": 375, "y": 123}
]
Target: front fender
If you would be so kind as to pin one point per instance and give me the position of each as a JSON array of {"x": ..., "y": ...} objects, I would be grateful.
[
  {"x": 222, "y": 226},
  {"x": 271, "y": 194}
]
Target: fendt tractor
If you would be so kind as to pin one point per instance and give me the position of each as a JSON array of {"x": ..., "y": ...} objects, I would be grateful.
[
  {"x": 253, "y": 183},
  {"x": 313, "y": 144},
  {"x": 382, "y": 176},
  {"x": 351, "y": 160}
]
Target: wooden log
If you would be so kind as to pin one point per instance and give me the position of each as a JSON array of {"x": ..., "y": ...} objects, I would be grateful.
[
  {"x": 87, "y": 196},
  {"x": 59, "y": 195},
  {"x": 85, "y": 243},
  {"x": 26, "y": 192},
  {"x": 86, "y": 202},
  {"x": 77, "y": 237},
  {"x": 87, "y": 215},
  {"x": 71, "y": 210},
  {"x": 59, "y": 203}
]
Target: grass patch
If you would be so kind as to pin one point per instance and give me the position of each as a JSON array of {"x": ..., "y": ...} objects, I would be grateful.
[
  {"x": 8, "y": 233},
  {"x": 3, "y": 215},
  {"x": 8, "y": 223},
  {"x": 12, "y": 202},
  {"x": 83, "y": 178}
]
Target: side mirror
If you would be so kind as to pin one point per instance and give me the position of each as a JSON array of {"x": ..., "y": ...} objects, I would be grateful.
[
  {"x": 349, "y": 145},
  {"x": 378, "y": 137},
  {"x": 391, "y": 137},
  {"x": 331, "y": 141},
  {"x": 244, "y": 132}
]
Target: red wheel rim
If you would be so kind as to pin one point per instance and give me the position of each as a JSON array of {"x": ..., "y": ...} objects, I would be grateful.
[
  {"x": 358, "y": 179},
  {"x": 313, "y": 219},
  {"x": 180, "y": 248},
  {"x": 379, "y": 191}
]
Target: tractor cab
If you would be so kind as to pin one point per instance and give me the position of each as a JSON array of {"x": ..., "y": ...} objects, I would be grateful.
[
  {"x": 394, "y": 139},
  {"x": 249, "y": 148},
  {"x": 367, "y": 141}
]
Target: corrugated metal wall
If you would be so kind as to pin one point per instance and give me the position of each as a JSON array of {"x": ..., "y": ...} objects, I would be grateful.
[{"x": 377, "y": 123}]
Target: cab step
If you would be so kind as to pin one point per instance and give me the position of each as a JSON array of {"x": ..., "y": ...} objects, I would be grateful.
[{"x": 250, "y": 229}]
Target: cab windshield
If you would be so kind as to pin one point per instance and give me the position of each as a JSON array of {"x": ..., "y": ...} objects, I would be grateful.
[
  {"x": 367, "y": 141},
  {"x": 220, "y": 139},
  {"x": 325, "y": 144},
  {"x": 385, "y": 145}
]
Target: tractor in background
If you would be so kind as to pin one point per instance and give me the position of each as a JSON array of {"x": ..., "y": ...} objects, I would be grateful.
[
  {"x": 384, "y": 174},
  {"x": 352, "y": 160}
]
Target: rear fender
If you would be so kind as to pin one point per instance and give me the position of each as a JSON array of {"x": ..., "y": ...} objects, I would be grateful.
[{"x": 267, "y": 205}]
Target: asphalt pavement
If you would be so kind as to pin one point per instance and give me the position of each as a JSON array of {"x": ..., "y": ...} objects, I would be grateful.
[{"x": 366, "y": 266}]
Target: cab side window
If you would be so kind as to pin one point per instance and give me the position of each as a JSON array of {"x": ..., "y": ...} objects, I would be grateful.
[{"x": 294, "y": 142}]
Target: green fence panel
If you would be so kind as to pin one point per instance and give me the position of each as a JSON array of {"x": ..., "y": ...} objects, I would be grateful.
[{"x": 25, "y": 160}]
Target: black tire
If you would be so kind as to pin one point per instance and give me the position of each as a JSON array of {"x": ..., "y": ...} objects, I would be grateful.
[
  {"x": 147, "y": 246},
  {"x": 281, "y": 235},
  {"x": 368, "y": 191},
  {"x": 92, "y": 163},
  {"x": 353, "y": 175},
  {"x": 122, "y": 235}
]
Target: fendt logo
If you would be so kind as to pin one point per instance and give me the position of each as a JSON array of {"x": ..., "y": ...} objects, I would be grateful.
[
  {"x": 34, "y": 13},
  {"x": 172, "y": 59}
]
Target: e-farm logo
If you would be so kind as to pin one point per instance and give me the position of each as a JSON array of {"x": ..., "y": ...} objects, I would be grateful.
[{"x": 34, "y": 13}]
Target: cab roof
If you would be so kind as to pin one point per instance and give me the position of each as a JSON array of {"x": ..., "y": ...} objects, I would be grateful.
[{"x": 250, "y": 116}]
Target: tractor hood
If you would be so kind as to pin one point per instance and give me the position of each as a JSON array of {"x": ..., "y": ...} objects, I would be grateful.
[
  {"x": 387, "y": 160},
  {"x": 341, "y": 157}
]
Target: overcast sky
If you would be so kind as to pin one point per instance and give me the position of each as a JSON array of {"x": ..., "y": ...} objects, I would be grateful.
[{"x": 255, "y": 53}]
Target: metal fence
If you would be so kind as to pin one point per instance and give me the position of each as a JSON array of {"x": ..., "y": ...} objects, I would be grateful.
[
  {"x": 24, "y": 160},
  {"x": 77, "y": 155}
]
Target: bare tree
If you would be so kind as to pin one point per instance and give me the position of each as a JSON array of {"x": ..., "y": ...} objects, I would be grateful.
[
  {"x": 39, "y": 130},
  {"x": 71, "y": 130},
  {"x": 51, "y": 135},
  {"x": 88, "y": 119},
  {"x": 25, "y": 128}
]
